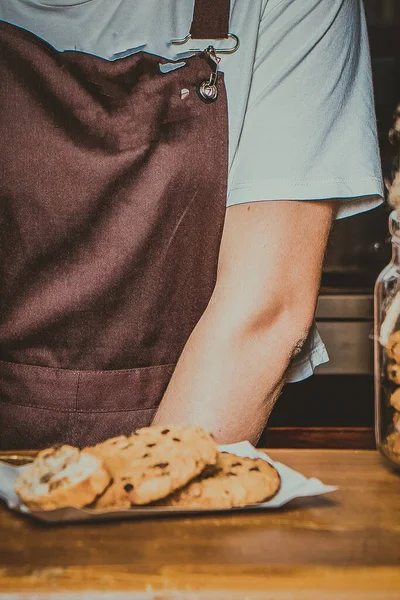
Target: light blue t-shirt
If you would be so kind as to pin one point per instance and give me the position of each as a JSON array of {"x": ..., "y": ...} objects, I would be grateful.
[{"x": 300, "y": 100}]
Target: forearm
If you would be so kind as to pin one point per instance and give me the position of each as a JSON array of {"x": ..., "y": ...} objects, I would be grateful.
[
  {"x": 229, "y": 376},
  {"x": 234, "y": 363}
]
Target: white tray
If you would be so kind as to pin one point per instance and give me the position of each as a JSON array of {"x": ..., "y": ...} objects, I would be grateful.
[{"x": 293, "y": 485}]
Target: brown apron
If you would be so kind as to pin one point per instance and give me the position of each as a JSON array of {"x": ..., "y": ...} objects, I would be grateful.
[{"x": 112, "y": 203}]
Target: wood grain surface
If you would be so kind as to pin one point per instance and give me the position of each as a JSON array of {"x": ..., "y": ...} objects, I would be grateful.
[{"x": 345, "y": 545}]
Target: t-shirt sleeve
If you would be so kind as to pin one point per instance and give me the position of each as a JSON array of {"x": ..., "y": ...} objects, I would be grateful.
[{"x": 309, "y": 132}]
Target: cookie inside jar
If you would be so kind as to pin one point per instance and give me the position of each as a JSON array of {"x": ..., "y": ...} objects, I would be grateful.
[
  {"x": 390, "y": 401},
  {"x": 387, "y": 352}
]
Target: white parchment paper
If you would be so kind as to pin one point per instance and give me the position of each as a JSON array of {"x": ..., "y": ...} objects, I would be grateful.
[{"x": 293, "y": 485}]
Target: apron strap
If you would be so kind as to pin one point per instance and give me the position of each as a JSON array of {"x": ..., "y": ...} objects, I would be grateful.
[{"x": 210, "y": 20}]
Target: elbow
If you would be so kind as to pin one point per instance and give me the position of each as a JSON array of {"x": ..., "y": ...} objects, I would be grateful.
[
  {"x": 282, "y": 320},
  {"x": 285, "y": 323}
]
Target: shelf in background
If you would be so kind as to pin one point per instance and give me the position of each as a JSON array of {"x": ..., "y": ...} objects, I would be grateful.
[{"x": 345, "y": 438}]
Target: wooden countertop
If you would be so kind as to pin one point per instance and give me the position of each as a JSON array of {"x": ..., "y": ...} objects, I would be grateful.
[{"x": 345, "y": 545}]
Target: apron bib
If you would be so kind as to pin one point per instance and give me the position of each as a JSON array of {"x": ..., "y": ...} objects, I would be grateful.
[{"x": 113, "y": 195}]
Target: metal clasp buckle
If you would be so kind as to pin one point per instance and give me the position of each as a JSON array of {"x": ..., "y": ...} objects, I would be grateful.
[
  {"x": 208, "y": 89},
  {"x": 231, "y": 36}
]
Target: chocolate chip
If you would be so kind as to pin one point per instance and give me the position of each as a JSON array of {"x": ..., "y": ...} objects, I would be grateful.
[
  {"x": 160, "y": 466},
  {"x": 230, "y": 473},
  {"x": 46, "y": 478},
  {"x": 55, "y": 484},
  {"x": 254, "y": 469},
  {"x": 165, "y": 431},
  {"x": 145, "y": 455},
  {"x": 150, "y": 445},
  {"x": 128, "y": 487},
  {"x": 176, "y": 439},
  {"x": 210, "y": 471},
  {"x": 237, "y": 464}
]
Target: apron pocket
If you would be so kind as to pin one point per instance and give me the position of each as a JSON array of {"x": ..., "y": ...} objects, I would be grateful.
[{"x": 41, "y": 406}]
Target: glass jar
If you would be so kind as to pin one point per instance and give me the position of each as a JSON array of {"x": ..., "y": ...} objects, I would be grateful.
[{"x": 387, "y": 352}]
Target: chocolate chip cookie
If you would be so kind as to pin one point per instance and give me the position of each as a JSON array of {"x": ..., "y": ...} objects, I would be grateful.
[
  {"x": 395, "y": 399},
  {"x": 393, "y": 372},
  {"x": 152, "y": 463},
  {"x": 393, "y": 347},
  {"x": 235, "y": 481},
  {"x": 61, "y": 477},
  {"x": 396, "y": 421},
  {"x": 392, "y": 445}
]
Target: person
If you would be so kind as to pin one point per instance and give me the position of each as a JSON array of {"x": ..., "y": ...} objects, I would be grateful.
[{"x": 162, "y": 242}]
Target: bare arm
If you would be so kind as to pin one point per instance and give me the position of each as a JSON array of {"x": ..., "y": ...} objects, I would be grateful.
[{"x": 234, "y": 364}]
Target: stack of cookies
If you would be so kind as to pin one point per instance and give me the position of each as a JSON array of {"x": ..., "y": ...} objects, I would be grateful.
[
  {"x": 168, "y": 466},
  {"x": 392, "y": 441}
]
